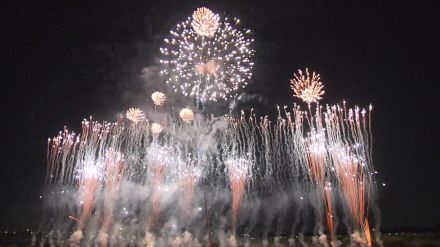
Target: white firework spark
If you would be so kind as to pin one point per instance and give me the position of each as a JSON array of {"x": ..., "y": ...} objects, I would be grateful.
[
  {"x": 205, "y": 22},
  {"x": 156, "y": 129},
  {"x": 158, "y": 98},
  {"x": 208, "y": 67},
  {"x": 135, "y": 115},
  {"x": 186, "y": 115},
  {"x": 307, "y": 87}
]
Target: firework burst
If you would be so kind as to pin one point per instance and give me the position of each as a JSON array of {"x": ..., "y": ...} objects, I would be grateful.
[
  {"x": 186, "y": 115},
  {"x": 207, "y": 57},
  {"x": 158, "y": 98},
  {"x": 135, "y": 115},
  {"x": 307, "y": 87},
  {"x": 205, "y": 22},
  {"x": 156, "y": 129}
]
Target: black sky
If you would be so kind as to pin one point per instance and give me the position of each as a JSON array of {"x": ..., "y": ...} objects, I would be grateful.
[{"x": 65, "y": 61}]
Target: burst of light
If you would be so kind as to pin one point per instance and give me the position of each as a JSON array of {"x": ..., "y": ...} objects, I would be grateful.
[
  {"x": 187, "y": 115},
  {"x": 158, "y": 98},
  {"x": 135, "y": 115},
  {"x": 208, "y": 67},
  {"x": 205, "y": 22},
  {"x": 307, "y": 87},
  {"x": 156, "y": 129}
]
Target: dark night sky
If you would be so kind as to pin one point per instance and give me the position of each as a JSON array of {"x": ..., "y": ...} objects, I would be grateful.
[{"x": 66, "y": 61}]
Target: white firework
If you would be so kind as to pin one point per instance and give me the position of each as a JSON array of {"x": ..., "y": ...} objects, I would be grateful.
[
  {"x": 136, "y": 115},
  {"x": 205, "y": 22},
  {"x": 186, "y": 115},
  {"x": 158, "y": 98},
  {"x": 208, "y": 67},
  {"x": 156, "y": 129}
]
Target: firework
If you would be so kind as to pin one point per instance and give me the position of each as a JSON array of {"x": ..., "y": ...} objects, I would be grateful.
[
  {"x": 158, "y": 177},
  {"x": 207, "y": 57},
  {"x": 307, "y": 87},
  {"x": 317, "y": 160},
  {"x": 186, "y": 115},
  {"x": 158, "y": 98},
  {"x": 135, "y": 115},
  {"x": 307, "y": 158},
  {"x": 205, "y": 22},
  {"x": 160, "y": 157},
  {"x": 114, "y": 170},
  {"x": 351, "y": 159},
  {"x": 302, "y": 150},
  {"x": 88, "y": 179},
  {"x": 156, "y": 129},
  {"x": 187, "y": 183},
  {"x": 329, "y": 211},
  {"x": 238, "y": 173}
]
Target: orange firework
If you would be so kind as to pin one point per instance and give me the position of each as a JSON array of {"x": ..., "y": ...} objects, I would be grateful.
[
  {"x": 187, "y": 184},
  {"x": 114, "y": 170},
  {"x": 59, "y": 149},
  {"x": 329, "y": 212},
  {"x": 307, "y": 87},
  {"x": 158, "y": 177},
  {"x": 316, "y": 159},
  {"x": 159, "y": 158},
  {"x": 350, "y": 173},
  {"x": 350, "y": 153},
  {"x": 238, "y": 173},
  {"x": 88, "y": 184}
]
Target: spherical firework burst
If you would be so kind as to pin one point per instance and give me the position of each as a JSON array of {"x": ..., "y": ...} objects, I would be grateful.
[
  {"x": 186, "y": 115},
  {"x": 156, "y": 129},
  {"x": 207, "y": 57},
  {"x": 307, "y": 87},
  {"x": 205, "y": 22},
  {"x": 158, "y": 98},
  {"x": 135, "y": 115}
]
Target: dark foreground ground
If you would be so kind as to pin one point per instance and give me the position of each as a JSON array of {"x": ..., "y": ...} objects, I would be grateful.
[{"x": 23, "y": 238}]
